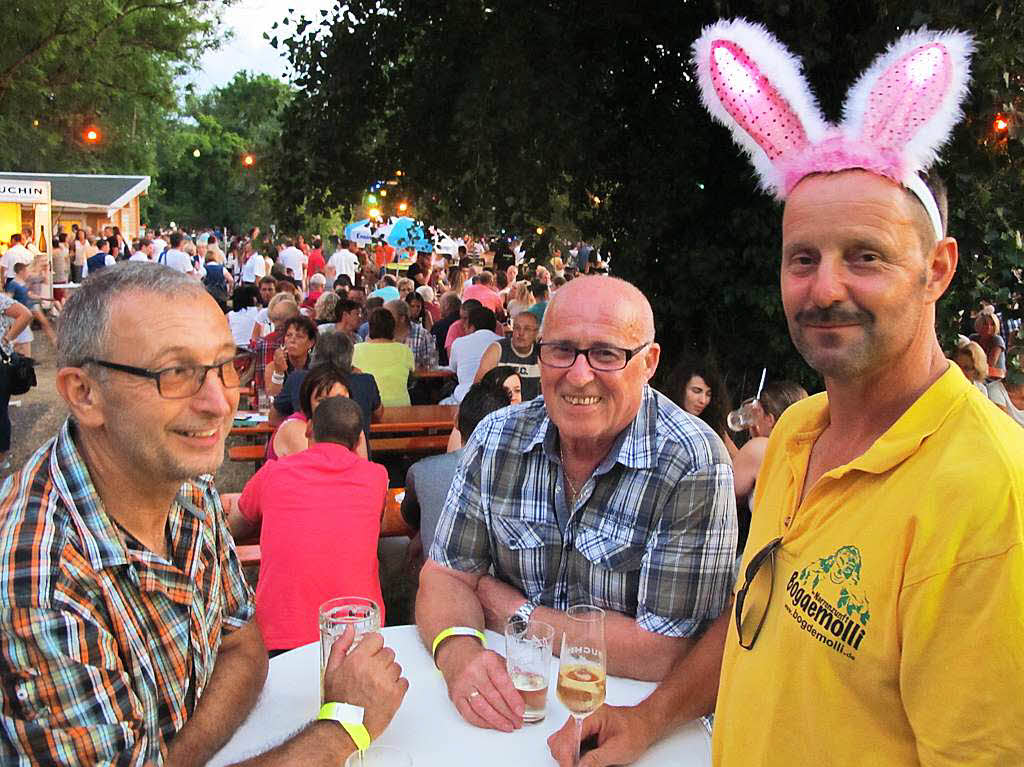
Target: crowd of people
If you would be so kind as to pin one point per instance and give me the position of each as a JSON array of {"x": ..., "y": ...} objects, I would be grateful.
[{"x": 845, "y": 586}]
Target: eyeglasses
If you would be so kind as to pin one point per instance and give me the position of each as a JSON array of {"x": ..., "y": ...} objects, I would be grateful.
[
  {"x": 604, "y": 358},
  {"x": 183, "y": 381},
  {"x": 767, "y": 554}
]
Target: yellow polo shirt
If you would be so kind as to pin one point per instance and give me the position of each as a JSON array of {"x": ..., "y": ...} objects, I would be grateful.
[{"x": 895, "y": 631}]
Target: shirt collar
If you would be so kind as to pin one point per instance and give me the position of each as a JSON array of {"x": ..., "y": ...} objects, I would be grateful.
[
  {"x": 901, "y": 440},
  {"x": 103, "y": 542},
  {"x": 635, "y": 446}
]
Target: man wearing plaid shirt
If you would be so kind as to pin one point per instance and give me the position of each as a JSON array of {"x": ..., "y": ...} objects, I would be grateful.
[
  {"x": 424, "y": 350},
  {"x": 125, "y": 622},
  {"x": 281, "y": 309},
  {"x": 601, "y": 492}
]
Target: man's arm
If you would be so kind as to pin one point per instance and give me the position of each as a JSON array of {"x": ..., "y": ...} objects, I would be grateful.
[
  {"x": 624, "y": 733},
  {"x": 238, "y": 676},
  {"x": 367, "y": 677},
  {"x": 488, "y": 362},
  {"x": 633, "y": 652},
  {"x": 478, "y": 683}
]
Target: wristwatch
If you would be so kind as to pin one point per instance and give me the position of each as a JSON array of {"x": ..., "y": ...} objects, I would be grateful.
[
  {"x": 523, "y": 612},
  {"x": 351, "y": 718}
]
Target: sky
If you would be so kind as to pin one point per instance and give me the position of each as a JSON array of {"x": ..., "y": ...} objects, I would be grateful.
[{"x": 249, "y": 19}]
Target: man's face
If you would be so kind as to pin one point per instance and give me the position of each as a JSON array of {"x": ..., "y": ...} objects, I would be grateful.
[
  {"x": 267, "y": 290},
  {"x": 524, "y": 331},
  {"x": 350, "y": 320},
  {"x": 169, "y": 440},
  {"x": 586, "y": 404},
  {"x": 853, "y": 274}
]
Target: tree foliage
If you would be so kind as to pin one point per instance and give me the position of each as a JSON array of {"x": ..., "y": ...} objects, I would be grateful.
[
  {"x": 69, "y": 64},
  {"x": 494, "y": 110},
  {"x": 223, "y": 125}
]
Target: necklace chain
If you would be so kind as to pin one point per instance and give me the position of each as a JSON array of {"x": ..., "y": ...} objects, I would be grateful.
[{"x": 568, "y": 479}]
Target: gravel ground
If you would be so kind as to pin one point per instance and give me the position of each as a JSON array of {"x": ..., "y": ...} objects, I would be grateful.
[{"x": 41, "y": 413}]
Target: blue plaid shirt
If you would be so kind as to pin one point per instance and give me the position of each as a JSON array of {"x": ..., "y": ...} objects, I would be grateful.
[
  {"x": 105, "y": 647},
  {"x": 652, "y": 534}
]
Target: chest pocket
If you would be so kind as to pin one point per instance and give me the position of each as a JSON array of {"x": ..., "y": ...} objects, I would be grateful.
[
  {"x": 525, "y": 551},
  {"x": 619, "y": 549}
]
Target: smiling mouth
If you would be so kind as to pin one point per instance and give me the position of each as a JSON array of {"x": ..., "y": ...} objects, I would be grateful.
[
  {"x": 197, "y": 434},
  {"x": 579, "y": 401}
]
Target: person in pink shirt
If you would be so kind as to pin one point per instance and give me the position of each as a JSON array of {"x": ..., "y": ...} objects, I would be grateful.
[
  {"x": 485, "y": 291},
  {"x": 459, "y": 327},
  {"x": 318, "y": 514}
]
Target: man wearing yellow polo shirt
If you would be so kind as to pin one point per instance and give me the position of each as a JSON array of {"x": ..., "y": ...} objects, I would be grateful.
[{"x": 879, "y": 614}]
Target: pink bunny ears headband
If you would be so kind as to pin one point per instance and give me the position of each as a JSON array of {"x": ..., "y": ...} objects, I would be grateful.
[{"x": 896, "y": 116}]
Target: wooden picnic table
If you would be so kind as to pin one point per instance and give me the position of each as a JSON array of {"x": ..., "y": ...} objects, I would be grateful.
[
  {"x": 406, "y": 418},
  {"x": 434, "y": 373}
]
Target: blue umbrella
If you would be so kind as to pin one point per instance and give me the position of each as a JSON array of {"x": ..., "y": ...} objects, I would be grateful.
[
  {"x": 353, "y": 226},
  {"x": 405, "y": 232}
]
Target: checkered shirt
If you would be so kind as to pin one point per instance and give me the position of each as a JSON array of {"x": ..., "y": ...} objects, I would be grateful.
[
  {"x": 652, "y": 534},
  {"x": 264, "y": 349},
  {"x": 105, "y": 647},
  {"x": 424, "y": 350}
]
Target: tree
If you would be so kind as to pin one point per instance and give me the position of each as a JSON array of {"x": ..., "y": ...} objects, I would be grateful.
[
  {"x": 223, "y": 126},
  {"x": 495, "y": 110},
  {"x": 66, "y": 65}
]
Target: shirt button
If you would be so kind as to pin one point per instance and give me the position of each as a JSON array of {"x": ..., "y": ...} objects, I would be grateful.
[{"x": 787, "y": 521}]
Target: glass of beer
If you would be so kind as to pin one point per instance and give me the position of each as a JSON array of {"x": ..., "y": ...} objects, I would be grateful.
[
  {"x": 744, "y": 416},
  {"x": 264, "y": 402},
  {"x": 528, "y": 660},
  {"x": 582, "y": 665},
  {"x": 335, "y": 616}
]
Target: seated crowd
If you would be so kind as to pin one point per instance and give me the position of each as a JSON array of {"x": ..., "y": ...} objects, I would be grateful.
[{"x": 129, "y": 633}]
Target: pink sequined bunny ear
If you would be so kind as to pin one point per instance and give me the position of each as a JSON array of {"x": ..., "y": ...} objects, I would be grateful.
[
  {"x": 754, "y": 86},
  {"x": 906, "y": 104}
]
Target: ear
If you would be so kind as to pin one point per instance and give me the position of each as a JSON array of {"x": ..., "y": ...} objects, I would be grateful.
[
  {"x": 83, "y": 395},
  {"x": 652, "y": 354},
  {"x": 941, "y": 267},
  {"x": 769, "y": 119},
  {"x": 909, "y": 99}
]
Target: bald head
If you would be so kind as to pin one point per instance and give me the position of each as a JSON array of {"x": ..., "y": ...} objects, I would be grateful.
[{"x": 614, "y": 296}]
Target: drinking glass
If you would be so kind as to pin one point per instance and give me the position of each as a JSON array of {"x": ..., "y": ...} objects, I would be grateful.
[
  {"x": 528, "y": 660},
  {"x": 744, "y": 416},
  {"x": 582, "y": 665},
  {"x": 263, "y": 402},
  {"x": 379, "y": 756},
  {"x": 335, "y": 615}
]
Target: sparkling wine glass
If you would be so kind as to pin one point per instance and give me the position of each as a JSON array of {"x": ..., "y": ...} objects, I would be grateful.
[{"x": 582, "y": 665}]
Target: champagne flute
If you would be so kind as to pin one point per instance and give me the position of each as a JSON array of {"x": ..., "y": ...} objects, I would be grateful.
[{"x": 582, "y": 665}]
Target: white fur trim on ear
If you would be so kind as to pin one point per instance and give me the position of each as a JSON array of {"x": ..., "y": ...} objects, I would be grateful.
[
  {"x": 783, "y": 71},
  {"x": 921, "y": 151}
]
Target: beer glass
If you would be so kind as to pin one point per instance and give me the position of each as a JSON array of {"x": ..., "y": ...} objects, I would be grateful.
[
  {"x": 335, "y": 616},
  {"x": 582, "y": 665},
  {"x": 744, "y": 416},
  {"x": 263, "y": 402},
  {"x": 528, "y": 660}
]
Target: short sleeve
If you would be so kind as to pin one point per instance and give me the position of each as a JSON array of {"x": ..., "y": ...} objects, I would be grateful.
[
  {"x": 65, "y": 697},
  {"x": 409, "y": 360},
  {"x": 689, "y": 565},
  {"x": 962, "y": 663},
  {"x": 238, "y": 599},
  {"x": 461, "y": 539}
]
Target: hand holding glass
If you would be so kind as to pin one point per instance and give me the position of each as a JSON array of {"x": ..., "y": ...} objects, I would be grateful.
[{"x": 335, "y": 615}]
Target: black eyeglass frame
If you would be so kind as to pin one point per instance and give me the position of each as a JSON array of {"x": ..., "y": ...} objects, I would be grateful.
[
  {"x": 200, "y": 372},
  {"x": 630, "y": 354},
  {"x": 753, "y": 567}
]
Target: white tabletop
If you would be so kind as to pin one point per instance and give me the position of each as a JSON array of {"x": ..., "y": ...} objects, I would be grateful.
[{"x": 427, "y": 725}]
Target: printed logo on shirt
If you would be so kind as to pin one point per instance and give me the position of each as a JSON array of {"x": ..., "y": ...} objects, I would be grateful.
[{"x": 826, "y": 601}]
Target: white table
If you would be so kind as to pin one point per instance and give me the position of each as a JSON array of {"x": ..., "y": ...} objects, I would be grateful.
[{"x": 427, "y": 725}]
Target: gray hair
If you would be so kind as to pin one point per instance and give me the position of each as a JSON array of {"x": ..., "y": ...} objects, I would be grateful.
[
  {"x": 317, "y": 279},
  {"x": 326, "y": 307},
  {"x": 399, "y": 308},
  {"x": 335, "y": 348},
  {"x": 82, "y": 332}
]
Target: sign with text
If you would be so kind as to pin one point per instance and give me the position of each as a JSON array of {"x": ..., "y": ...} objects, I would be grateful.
[{"x": 25, "y": 191}]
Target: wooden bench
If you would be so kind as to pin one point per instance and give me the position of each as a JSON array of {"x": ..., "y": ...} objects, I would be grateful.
[
  {"x": 426, "y": 443},
  {"x": 242, "y": 453},
  {"x": 249, "y": 556}
]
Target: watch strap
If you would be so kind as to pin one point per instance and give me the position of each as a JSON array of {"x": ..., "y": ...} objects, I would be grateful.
[{"x": 351, "y": 718}]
